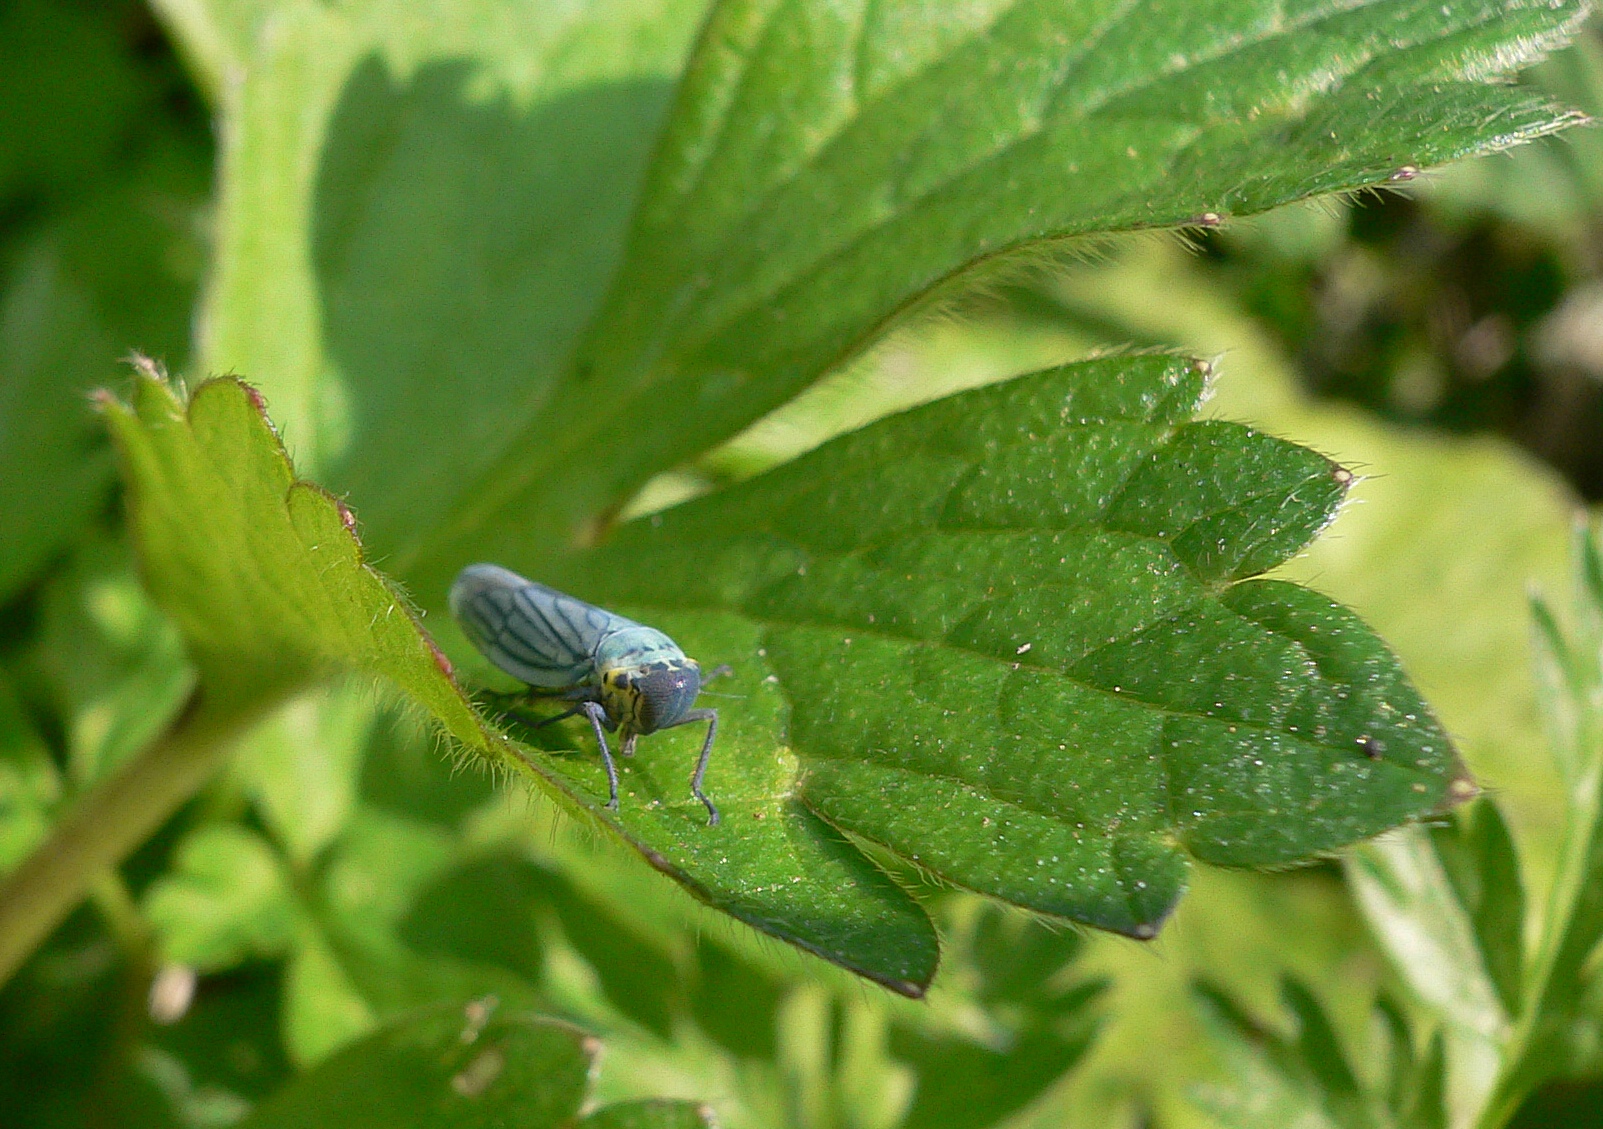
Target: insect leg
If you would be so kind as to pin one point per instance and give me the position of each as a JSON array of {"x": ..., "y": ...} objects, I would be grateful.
[
  {"x": 595, "y": 713},
  {"x": 563, "y": 716},
  {"x": 629, "y": 744},
  {"x": 711, "y": 718},
  {"x": 717, "y": 672}
]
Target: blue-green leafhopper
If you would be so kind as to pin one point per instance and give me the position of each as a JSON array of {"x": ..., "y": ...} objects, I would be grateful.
[{"x": 623, "y": 676}]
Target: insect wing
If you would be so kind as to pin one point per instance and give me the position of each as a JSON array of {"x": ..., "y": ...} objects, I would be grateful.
[{"x": 536, "y": 634}]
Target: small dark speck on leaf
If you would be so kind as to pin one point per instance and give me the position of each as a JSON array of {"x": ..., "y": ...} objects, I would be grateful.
[{"x": 1371, "y": 747}]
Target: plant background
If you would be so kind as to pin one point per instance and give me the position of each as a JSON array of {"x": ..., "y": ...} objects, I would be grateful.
[{"x": 1442, "y": 340}]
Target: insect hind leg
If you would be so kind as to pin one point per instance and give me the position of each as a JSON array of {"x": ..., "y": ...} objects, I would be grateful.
[{"x": 597, "y": 715}]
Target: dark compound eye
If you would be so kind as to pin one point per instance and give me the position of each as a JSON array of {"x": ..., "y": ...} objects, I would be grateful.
[{"x": 666, "y": 695}]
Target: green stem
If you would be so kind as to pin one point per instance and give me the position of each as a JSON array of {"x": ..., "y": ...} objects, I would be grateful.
[
  {"x": 111, "y": 897},
  {"x": 106, "y": 824},
  {"x": 1524, "y": 1066}
]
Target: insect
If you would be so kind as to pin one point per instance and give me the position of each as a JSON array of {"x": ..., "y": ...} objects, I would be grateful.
[{"x": 621, "y": 675}]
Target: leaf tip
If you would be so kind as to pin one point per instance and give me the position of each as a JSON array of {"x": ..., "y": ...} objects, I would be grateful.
[{"x": 147, "y": 367}]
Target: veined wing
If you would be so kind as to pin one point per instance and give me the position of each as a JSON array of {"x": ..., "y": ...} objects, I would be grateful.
[{"x": 536, "y": 634}]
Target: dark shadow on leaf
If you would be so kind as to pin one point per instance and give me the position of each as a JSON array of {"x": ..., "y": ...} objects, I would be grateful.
[{"x": 461, "y": 241}]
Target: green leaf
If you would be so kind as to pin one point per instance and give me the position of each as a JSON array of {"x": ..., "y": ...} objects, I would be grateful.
[
  {"x": 1245, "y": 724},
  {"x": 1413, "y": 911},
  {"x": 1262, "y": 1085},
  {"x": 965, "y": 1084},
  {"x": 419, "y": 213},
  {"x": 1322, "y": 1056},
  {"x": 113, "y": 663},
  {"x": 1006, "y": 662},
  {"x": 497, "y": 910},
  {"x": 1477, "y": 852},
  {"x": 30, "y": 785},
  {"x": 323, "y": 1009},
  {"x": 443, "y": 1068},
  {"x": 106, "y": 265},
  {"x": 1560, "y": 977},
  {"x": 263, "y": 574},
  {"x": 266, "y": 577},
  {"x": 757, "y": 258},
  {"x": 300, "y": 768},
  {"x": 651, "y": 1114},
  {"x": 828, "y": 166},
  {"x": 225, "y": 899}
]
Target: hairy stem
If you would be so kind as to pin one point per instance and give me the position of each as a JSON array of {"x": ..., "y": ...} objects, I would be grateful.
[{"x": 106, "y": 824}]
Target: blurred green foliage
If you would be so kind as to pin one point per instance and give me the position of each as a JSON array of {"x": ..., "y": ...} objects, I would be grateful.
[{"x": 382, "y": 881}]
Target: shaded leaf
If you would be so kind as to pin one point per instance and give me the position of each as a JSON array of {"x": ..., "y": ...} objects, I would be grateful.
[
  {"x": 422, "y": 206},
  {"x": 225, "y": 899},
  {"x": 30, "y": 785},
  {"x": 400, "y": 773},
  {"x": 1560, "y": 976},
  {"x": 300, "y": 768},
  {"x": 95, "y": 261},
  {"x": 735, "y": 1003},
  {"x": 1478, "y": 855},
  {"x": 442, "y": 1068},
  {"x": 651, "y": 1114},
  {"x": 113, "y": 663},
  {"x": 497, "y": 911},
  {"x": 827, "y": 166},
  {"x": 967, "y": 1084},
  {"x": 1425, "y": 1107},
  {"x": 1263, "y": 1085},
  {"x": 1322, "y": 1057}
]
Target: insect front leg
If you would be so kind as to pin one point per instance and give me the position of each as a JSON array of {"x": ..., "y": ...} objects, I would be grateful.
[
  {"x": 711, "y": 718},
  {"x": 597, "y": 715},
  {"x": 629, "y": 743}
]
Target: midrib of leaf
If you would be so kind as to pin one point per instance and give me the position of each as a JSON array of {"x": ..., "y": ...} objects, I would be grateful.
[
  {"x": 1037, "y": 122},
  {"x": 654, "y": 319},
  {"x": 1157, "y": 707}
]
